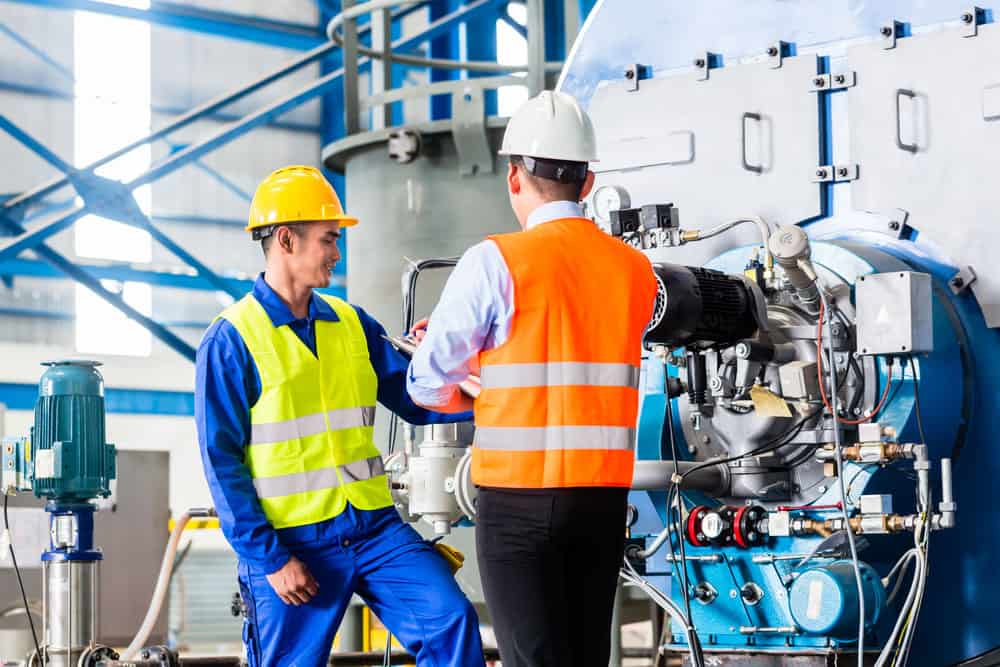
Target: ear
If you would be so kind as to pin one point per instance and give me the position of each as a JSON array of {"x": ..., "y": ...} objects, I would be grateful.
[
  {"x": 285, "y": 236},
  {"x": 513, "y": 179},
  {"x": 588, "y": 185}
]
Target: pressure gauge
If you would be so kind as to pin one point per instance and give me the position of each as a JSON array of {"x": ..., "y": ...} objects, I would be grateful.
[{"x": 609, "y": 198}]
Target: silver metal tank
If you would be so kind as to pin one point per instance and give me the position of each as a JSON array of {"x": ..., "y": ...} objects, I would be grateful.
[{"x": 418, "y": 210}]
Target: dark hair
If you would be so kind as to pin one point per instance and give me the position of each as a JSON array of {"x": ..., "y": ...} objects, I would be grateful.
[
  {"x": 553, "y": 179},
  {"x": 268, "y": 234}
]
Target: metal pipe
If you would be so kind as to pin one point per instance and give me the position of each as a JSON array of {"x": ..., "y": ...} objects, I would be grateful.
[{"x": 658, "y": 475}]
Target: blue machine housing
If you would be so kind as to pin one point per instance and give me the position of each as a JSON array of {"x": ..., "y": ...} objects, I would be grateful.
[{"x": 957, "y": 381}]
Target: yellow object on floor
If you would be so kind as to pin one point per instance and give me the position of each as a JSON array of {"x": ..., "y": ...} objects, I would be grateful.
[{"x": 454, "y": 557}]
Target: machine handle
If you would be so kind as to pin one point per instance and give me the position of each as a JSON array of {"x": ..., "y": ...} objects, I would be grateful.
[
  {"x": 756, "y": 168},
  {"x": 909, "y": 148}
]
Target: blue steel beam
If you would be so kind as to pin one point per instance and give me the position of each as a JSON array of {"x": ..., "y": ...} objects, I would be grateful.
[
  {"x": 92, "y": 189},
  {"x": 94, "y": 285},
  {"x": 284, "y": 34},
  {"x": 64, "y": 316},
  {"x": 302, "y": 95},
  {"x": 436, "y": 29},
  {"x": 195, "y": 114},
  {"x": 518, "y": 28},
  {"x": 13, "y": 248},
  {"x": 49, "y": 92},
  {"x": 229, "y": 25},
  {"x": 37, "y": 52},
  {"x": 34, "y": 146},
  {"x": 33, "y": 268}
]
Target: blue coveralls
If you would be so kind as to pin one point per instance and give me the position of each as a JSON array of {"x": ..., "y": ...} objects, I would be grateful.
[{"x": 371, "y": 553}]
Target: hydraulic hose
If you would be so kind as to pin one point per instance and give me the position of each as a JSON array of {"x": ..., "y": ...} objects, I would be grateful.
[{"x": 162, "y": 582}]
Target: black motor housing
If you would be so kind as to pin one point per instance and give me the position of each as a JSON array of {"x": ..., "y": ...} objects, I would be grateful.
[{"x": 697, "y": 305}]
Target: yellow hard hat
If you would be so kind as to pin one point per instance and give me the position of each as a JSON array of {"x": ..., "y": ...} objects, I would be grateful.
[{"x": 296, "y": 194}]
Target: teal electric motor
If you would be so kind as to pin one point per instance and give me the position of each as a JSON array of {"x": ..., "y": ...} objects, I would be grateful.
[{"x": 72, "y": 462}]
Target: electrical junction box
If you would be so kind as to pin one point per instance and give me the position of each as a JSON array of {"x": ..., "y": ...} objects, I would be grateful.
[{"x": 894, "y": 313}]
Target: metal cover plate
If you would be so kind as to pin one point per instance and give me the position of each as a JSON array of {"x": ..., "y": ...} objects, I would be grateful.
[
  {"x": 925, "y": 128},
  {"x": 743, "y": 142}
]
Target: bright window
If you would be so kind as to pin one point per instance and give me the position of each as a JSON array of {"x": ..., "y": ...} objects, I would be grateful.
[
  {"x": 112, "y": 71},
  {"x": 512, "y": 49}
]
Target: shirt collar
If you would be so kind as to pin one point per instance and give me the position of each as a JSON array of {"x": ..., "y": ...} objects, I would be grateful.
[
  {"x": 554, "y": 210},
  {"x": 279, "y": 312}
]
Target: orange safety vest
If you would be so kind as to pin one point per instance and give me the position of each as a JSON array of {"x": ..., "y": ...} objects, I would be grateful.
[{"x": 560, "y": 397}]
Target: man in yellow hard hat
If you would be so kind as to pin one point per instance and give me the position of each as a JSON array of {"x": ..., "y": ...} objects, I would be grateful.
[{"x": 285, "y": 394}]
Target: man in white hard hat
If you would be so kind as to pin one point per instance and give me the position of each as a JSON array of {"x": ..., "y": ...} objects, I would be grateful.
[{"x": 552, "y": 318}]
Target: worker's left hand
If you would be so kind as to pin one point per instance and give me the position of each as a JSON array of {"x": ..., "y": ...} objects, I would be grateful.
[
  {"x": 419, "y": 330},
  {"x": 293, "y": 583}
]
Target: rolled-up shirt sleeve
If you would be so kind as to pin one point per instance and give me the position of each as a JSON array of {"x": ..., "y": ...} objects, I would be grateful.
[{"x": 476, "y": 300}]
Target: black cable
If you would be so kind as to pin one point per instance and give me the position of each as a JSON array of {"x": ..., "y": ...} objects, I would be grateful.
[
  {"x": 668, "y": 426},
  {"x": 20, "y": 583}
]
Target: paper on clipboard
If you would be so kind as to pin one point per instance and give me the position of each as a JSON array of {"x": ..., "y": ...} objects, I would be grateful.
[{"x": 470, "y": 386}]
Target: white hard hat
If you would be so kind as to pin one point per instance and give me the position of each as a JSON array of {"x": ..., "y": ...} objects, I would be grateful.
[{"x": 551, "y": 125}]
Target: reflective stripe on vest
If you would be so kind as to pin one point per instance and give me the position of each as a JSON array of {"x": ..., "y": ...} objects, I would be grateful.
[
  {"x": 528, "y": 438},
  {"x": 301, "y": 427},
  {"x": 559, "y": 400},
  {"x": 560, "y": 373},
  {"x": 318, "y": 480},
  {"x": 311, "y": 449}
]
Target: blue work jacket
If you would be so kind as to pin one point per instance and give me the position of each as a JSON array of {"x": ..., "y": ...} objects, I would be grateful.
[{"x": 227, "y": 385}]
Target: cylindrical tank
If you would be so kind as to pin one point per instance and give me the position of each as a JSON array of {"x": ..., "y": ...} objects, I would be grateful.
[
  {"x": 421, "y": 209},
  {"x": 73, "y": 463}
]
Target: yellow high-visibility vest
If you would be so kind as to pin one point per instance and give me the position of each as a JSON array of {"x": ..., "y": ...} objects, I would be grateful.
[{"x": 311, "y": 449}]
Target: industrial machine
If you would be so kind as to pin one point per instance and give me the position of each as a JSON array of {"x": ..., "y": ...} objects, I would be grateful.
[
  {"x": 66, "y": 461},
  {"x": 811, "y": 184}
]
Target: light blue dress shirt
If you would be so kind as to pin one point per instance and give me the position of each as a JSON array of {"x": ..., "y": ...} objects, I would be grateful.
[{"x": 473, "y": 314}]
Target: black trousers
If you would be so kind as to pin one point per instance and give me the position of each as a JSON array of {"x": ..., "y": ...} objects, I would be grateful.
[{"x": 549, "y": 560}]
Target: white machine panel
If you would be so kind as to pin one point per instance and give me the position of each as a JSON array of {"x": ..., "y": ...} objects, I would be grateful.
[
  {"x": 744, "y": 141},
  {"x": 925, "y": 131}
]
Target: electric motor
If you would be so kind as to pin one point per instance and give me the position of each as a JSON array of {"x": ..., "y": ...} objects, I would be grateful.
[
  {"x": 72, "y": 461},
  {"x": 696, "y": 305}
]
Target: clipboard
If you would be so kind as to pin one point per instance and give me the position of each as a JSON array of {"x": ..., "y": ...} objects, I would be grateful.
[{"x": 470, "y": 386}]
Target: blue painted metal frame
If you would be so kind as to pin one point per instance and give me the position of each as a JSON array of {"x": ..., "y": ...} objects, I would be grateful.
[
  {"x": 33, "y": 268},
  {"x": 115, "y": 200},
  {"x": 284, "y": 34},
  {"x": 22, "y": 396}
]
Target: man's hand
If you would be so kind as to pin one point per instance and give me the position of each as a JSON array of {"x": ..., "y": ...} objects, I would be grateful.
[
  {"x": 293, "y": 583},
  {"x": 419, "y": 330}
]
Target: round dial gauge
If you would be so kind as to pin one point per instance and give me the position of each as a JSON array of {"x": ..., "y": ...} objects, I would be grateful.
[{"x": 609, "y": 198}]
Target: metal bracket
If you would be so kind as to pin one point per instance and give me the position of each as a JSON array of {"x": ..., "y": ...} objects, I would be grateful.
[
  {"x": 971, "y": 19},
  {"x": 830, "y": 173},
  {"x": 468, "y": 126},
  {"x": 703, "y": 63},
  {"x": 107, "y": 198},
  {"x": 633, "y": 74},
  {"x": 896, "y": 222},
  {"x": 891, "y": 32},
  {"x": 962, "y": 280},
  {"x": 777, "y": 52},
  {"x": 838, "y": 81}
]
